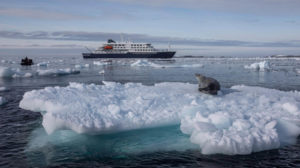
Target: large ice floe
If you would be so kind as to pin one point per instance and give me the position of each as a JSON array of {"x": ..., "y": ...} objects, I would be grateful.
[
  {"x": 239, "y": 120},
  {"x": 259, "y": 66}
]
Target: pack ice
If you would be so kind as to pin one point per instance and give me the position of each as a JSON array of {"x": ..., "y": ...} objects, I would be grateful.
[{"x": 239, "y": 120}]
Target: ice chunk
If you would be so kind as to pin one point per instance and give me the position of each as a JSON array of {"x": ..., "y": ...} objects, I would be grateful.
[
  {"x": 2, "y": 101},
  {"x": 82, "y": 66},
  {"x": 6, "y": 72},
  {"x": 100, "y": 63},
  {"x": 241, "y": 121},
  {"x": 141, "y": 63},
  {"x": 102, "y": 72},
  {"x": 43, "y": 64},
  {"x": 259, "y": 66},
  {"x": 3, "y": 89},
  {"x": 57, "y": 72}
]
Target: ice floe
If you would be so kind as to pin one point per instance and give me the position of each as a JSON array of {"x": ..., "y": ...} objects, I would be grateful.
[
  {"x": 57, "y": 72},
  {"x": 259, "y": 66},
  {"x": 141, "y": 63},
  {"x": 82, "y": 66},
  {"x": 240, "y": 120},
  {"x": 8, "y": 61},
  {"x": 101, "y": 72},
  {"x": 6, "y": 72},
  {"x": 3, "y": 88},
  {"x": 101, "y": 63},
  {"x": 146, "y": 63},
  {"x": 43, "y": 64}
]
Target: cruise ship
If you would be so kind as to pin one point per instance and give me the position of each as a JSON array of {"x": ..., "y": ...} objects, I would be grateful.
[{"x": 112, "y": 49}]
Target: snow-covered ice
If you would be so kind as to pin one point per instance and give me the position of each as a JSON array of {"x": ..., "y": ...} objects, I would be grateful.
[
  {"x": 259, "y": 66},
  {"x": 57, "y": 72},
  {"x": 240, "y": 120}
]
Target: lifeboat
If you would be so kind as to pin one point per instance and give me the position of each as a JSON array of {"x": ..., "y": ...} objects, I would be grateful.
[{"x": 108, "y": 47}]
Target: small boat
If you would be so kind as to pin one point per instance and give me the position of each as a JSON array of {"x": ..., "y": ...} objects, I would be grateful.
[{"x": 26, "y": 61}]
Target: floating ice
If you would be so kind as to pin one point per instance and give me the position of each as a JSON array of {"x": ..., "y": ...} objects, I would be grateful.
[
  {"x": 2, "y": 101},
  {"x": 43, "y": 64},
  {"x": 240, "y": 120},
  {"x": 7, "y": 61},
  {"x": 102, "y": 72},
  {"x": 57, "y": 72},
  {"x": 6, "y": 72},
  {"x": 259, "y": 66},
  {"x": 140, "y": 63},
  {"x": 82, "y": 66},
  {"x": 2, "y": 89},
  {"x": 27, "y": 75},
  {"x": 100, "y": 63},
  {"x": 298, "y": 71}
]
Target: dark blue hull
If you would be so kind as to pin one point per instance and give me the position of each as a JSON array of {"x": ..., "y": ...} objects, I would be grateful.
[{"x": 168, "y": 54}]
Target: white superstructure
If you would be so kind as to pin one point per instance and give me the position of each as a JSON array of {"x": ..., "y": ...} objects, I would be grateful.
[{"x": 125, "y": 47}]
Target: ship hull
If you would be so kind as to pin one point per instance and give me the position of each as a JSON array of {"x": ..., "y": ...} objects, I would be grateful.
[{"x": 169, "y": 54}]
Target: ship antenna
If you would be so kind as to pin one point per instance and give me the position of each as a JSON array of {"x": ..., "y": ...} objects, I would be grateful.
[{"x": 169, "y": 46}]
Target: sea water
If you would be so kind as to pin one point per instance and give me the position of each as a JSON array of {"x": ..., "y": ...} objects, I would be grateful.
[{"x": 73, "y": 112}]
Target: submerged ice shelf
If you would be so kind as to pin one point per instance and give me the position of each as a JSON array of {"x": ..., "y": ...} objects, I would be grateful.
[{"x": 240, "y": 120}]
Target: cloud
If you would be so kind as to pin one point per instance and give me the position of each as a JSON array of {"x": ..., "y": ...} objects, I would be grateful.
[
  {"x": 261, "y": 7},
  {"x": 103, "y": 36},
  {"x": 40, "y": 14}
]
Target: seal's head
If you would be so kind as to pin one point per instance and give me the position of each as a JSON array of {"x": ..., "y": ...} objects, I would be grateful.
[{"x": 207, "y": 85}]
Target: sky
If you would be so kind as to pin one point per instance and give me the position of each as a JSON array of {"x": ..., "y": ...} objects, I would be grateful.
[{"x": 192, "y": 27}]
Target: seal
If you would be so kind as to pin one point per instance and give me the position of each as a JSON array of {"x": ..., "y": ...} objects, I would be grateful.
[{"x": 207, "y": 85}]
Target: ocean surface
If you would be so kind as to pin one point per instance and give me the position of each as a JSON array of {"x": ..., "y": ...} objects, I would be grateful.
[{"x": 24, "y": 141}]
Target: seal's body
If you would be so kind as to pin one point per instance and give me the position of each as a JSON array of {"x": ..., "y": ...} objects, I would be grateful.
[{"x": 208, "y": 85}]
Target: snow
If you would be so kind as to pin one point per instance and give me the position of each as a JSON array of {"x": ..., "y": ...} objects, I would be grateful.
[
  {"x": 239, "y": 120},
  {"x": 2, "y": 101},
  {"x": 259, "y": 66},
  {"x": 57, "y": 72}
]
